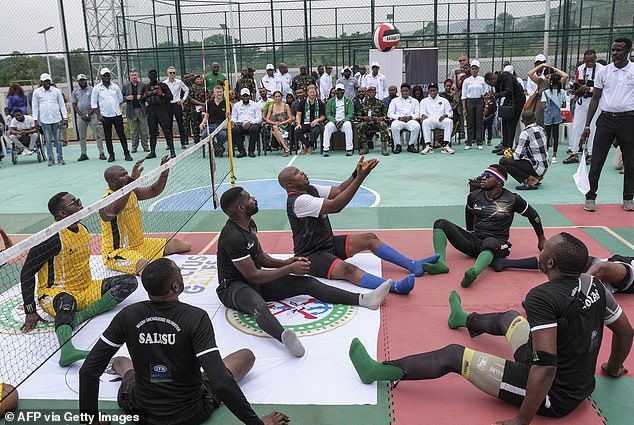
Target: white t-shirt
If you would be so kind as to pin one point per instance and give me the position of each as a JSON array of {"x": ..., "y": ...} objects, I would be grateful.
[
  {"x": 617, "y": 87},
  {"x": 310, "y": 206},
  {"x": 28, "y": 123},
  {"x": 341, "y": 109}
]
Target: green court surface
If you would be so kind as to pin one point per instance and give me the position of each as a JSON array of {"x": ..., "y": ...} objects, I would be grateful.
[{"x": 414, "y": 191}]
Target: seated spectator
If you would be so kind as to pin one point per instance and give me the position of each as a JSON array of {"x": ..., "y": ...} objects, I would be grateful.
[
  {"x": 435, "y": 112},
  {"x": 233, "y": 97},
  {"x": 359, "y": 99},
  {"x": 373, "y": 116},
  {"x": 264, "y": 101},
  {"x": 450, "y": 94},
  {"x": 299, "y": 97},
  {"x": 417, "y": 93},
  {"x": 290, "y": 98},
  {"x": 530, "y": 159},
  {"x": 16, "y": 99},
  {"x": 279, "y": 117},
  {"x": 22, "y": 130},
  {"x": 339, "y": 114},
  {"x": 310, "y": 113},
  {"x": 392, "y": 94},
  {"x": 215, "y": 114},
  {"x": 404, "y": 111},
  {"x": 246, "y": 117}
]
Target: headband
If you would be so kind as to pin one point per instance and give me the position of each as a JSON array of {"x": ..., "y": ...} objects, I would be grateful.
[{"x": 496, "y": 174}]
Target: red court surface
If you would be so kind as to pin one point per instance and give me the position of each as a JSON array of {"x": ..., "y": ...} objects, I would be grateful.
[
  {"x": 609, "y": 215},
  {"x": 418, "y": 323}
]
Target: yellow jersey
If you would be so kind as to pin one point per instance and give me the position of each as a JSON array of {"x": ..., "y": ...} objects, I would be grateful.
[{"x": 124, "y": 231}]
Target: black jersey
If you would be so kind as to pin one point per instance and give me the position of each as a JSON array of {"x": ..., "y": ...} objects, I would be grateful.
[
  {"x": 310, "y": 234},
  {"x": 489, "y": 217},
  {"x": 578, "y": 309},
  {"x": 236, "y": 244}
]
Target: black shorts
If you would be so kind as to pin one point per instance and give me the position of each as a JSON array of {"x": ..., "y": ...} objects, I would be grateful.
[
  {"x": 128, "y": 403},
  {"x": 513, "y": 390},
  {"x": 626, "y": 286},
  {"x": 323, "y": 262}
]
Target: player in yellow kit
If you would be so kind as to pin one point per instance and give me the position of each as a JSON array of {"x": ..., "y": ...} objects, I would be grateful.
[
  {"x": 65, "y": 287},
  {"x": 124, "y": 247}
]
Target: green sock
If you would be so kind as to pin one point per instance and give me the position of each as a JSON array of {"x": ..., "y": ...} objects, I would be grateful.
[
  {"x": 105, "y": 303},
  {"x": 440, "y": 248},
  {"x": 483, "y": 261},
  {"x": 68, "y": 353},
  {"x": 370, "y": 370},
  {"x": 457, "y": 316}
]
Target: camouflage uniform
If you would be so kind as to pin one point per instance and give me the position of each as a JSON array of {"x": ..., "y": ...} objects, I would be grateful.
[
  {"x": 302, "y": 81},
  {"x": 245, "y": 83},
  {"x": 373, "y": 109},
  {"x": 193, "y": 118}
]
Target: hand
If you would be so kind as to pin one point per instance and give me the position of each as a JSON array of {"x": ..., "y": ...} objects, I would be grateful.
[
  {"x": 129, "y": 97},
  {"x": 85, "y": 117},
  {"x": 275, "y": 418},
  {"x": 180, "y": 102},
  {"x": 202, "y": 125},
  {"x": 138, "y": 96},
  {"x": 30, "y": 322},
  {"x": 300, "y": 267},
  {"x": 585, "y": 135},
  {"x": 65, "y": 123},
  {"x": 442, "y": 117},
  {"x": 137, "y": 169},
  {"x": 294, "y": 259},
  {"x": 622, "y": 371},
  {"x": 541, "y": 241},
  {"x": 313, "y": 123},
  {"x": 364, "y": 168},
  {"x": 298, "y": 127},
  {"x": 164, "y": 160},
  {"x": 339, "y": 124},
  {"x": 100, "y": 117}
]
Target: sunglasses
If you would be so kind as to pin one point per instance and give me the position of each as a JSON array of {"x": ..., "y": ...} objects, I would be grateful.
[
  {"x": 172, "y": 72},
  {"x": 75, "y": 201}
]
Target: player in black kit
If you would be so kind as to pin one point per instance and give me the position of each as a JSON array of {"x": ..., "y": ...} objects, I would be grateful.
[
  {"x": 308, "y": 206},
  {"x": 168, "y": 342},
  {"x": 555, "y": 347},
  {"x": 489, "y": 215},
  {"x": 245, "y": 286}
]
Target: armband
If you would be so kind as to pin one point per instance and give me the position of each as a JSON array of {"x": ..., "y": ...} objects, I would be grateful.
[
  {"x": 30, "y": 308},
  {"x": 542, "y": 358},
  {"x": 354, "y": 174}
]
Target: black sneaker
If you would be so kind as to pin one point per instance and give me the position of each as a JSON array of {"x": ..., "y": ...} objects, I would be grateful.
[
  {"x": 251, "y": 155},
  {"x": 150, "y": 155},
  {"x": 412, "y": 149},
  {"x": 128, "y": 157},
  {"x": 111, "y": 158},
  {"x": 102, "y": 156},
  {"x": 241, "y": 154},
  {"x": 572, "y": 159},
  {"x": 526, "y": 186},
  {"x": 398, "y": 149},
  {"x": 83, "y": 157},
  {"x": 349, "y": 153},
  {"x": 325, "y": 154}
]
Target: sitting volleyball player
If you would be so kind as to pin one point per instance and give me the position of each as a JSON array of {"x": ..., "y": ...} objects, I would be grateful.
[
  {"x": 65, "y": 288},
  {"x": 489, "y": 215},
  {"x": 124, "y": 247},
  {"x": 555, "y": 347},
  {"x": 308, "y": 206},
  {"x": 244, "y": 285}
]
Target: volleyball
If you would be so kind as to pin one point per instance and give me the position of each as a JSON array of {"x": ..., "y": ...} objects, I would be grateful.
[{"x": 386, "y": 37}]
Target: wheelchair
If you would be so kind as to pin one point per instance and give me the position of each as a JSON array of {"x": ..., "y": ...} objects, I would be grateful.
[{"x": 38, "y": 151}]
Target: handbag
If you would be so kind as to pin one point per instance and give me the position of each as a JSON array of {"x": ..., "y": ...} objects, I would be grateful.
[
  {"x": 531, "y": 102},
  {"x": 505, "y": 111}
]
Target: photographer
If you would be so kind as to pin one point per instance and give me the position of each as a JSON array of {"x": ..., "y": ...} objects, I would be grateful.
[{"x": 582, "y": 90}]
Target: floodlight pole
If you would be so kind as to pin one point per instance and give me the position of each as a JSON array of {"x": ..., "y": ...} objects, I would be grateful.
[{"x": 48, "y": 60}]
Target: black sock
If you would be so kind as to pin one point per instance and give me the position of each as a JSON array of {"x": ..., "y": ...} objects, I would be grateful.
[
  {"x": 431, "y": 365},
  {"x": 499, "y": 264},
  {"x": 490, "y": 323}
]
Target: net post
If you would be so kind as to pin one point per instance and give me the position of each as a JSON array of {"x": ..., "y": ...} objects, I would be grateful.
[{"x": 229, "y": 134}]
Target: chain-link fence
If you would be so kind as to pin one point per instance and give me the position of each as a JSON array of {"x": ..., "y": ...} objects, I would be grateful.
[{"x": 145, "y": 34}]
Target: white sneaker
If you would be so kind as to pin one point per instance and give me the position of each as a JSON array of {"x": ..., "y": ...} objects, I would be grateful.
[
  {"x": 480, "y": 147},
  {"x": 447, "y": 149},
  {"x": 553, "y": 160},
  {"x": 26, "y": 152},
  {"x": 428, "y": 150},
  {"x": 467, "y": 147}
]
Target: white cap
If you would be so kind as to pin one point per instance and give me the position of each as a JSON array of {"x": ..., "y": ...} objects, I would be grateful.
[
  {"x": 475, "y": 62},
  {"x": 270, "y": 66},
  {"x": 81, "y": 77},
  {"x": 540, "y": 58},
  {"x": 509, "y": 68},
  {"x": 375, "y": 64},
  {"x": 340, "y": 87},
  {"x": 104, "y": 71},
  {"x": 245, "y": 91},
  {"x": 45, "y": 77},
  {"x": 347, "y": 67}
]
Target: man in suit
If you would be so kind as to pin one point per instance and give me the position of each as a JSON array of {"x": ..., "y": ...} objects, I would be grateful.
[{"x": 135, "y": 111}]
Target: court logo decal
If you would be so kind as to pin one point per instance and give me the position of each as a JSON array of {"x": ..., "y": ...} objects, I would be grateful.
[
  {"x": 199, "y": 272},
  {"x": 12, "y": 317},
  {"x": 306, "y": 316}
]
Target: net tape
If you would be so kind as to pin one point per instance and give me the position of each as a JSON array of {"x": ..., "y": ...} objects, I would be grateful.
[{"x": 45, "y": 234}]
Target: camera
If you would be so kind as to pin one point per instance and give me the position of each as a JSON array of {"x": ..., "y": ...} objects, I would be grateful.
[{"x": 577, "y": 86}]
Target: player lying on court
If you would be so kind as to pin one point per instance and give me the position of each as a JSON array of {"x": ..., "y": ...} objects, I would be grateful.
[
  {"x": 489, "y": 215},
  {"x": 245, "y": 286},
  {"x": 555, "y": 347},
  {"x": 65, "y": 288},
  {"x": 124, "y": 247},
  {"x": 168, "y": 341},
  {"x": 616, "y": 272},
  {"x": 308, "y": 207}
]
